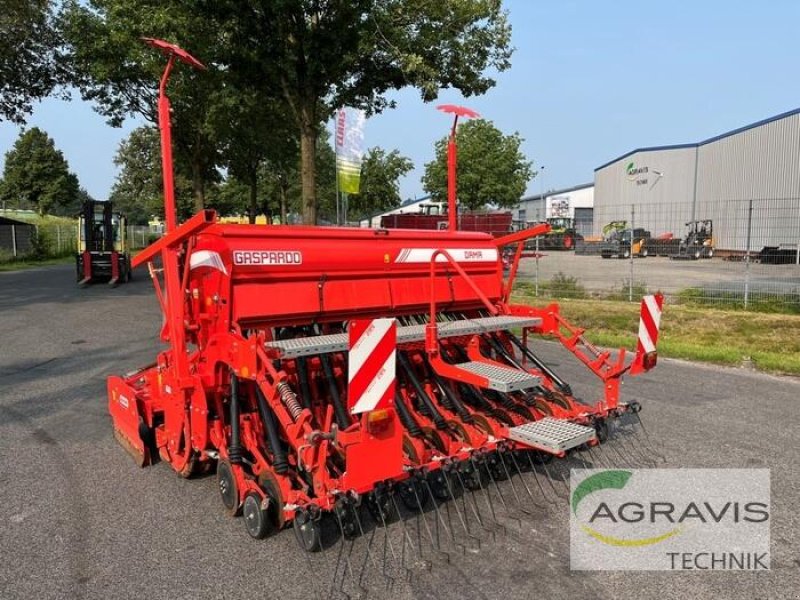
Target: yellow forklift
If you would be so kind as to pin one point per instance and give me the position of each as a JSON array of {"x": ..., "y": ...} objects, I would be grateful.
[{"x": 102, "y": 245}]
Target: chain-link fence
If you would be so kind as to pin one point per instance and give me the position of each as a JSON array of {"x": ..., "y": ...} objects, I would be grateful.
[{"x": 742, "y": 253}]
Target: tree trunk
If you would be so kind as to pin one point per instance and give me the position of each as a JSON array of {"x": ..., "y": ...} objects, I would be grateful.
[
  {"x": 308, "y": 172},
  {"x": 253, "y": 200},
  {"x": 198, "y": 186},
  {"x": 282, "y": 183}
]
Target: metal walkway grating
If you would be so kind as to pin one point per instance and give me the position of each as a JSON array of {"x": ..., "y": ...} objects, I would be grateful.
[
  {"x": 552, "y": 434},
  {"x": 338, "y": 342},
  {"x": 502, "y": 379}
]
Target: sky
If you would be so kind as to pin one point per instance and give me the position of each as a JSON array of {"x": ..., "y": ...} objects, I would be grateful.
[{"x": 590, "y": 80}]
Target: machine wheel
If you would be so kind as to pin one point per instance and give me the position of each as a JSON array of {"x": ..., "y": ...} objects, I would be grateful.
[
  {"x": 601, "y": 428},
  {"x": 412, "y": 494},
  {"x": 439, "y": 486},
  {"x": 709, "y": 253},
  {"x": 568, "y": 242},
  {"x": 379, "y": 504},
  {"x": 307, "y": 531},
  {"x": 228, "y": 491},
  {"x": 626, "y": 253},
  {"x": 697, "y": 253},
  {"x": 256, "y": 519},
  {"x": 644, "y": 253}
]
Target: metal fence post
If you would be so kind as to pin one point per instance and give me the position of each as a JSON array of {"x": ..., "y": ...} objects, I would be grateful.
[
  {"x": 58, "y": 239},
  {"x": 747, "y": 255},
  {"x": 630, "y": 281},
  {"x": 536, "y": 276},
  {"x": 14, "y": 239}
]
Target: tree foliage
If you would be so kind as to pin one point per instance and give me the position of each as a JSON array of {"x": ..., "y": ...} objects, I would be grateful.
[
  {"x": 30, "y": 64},
  {"x": 312, "y": 56},
  {"x": 37, "y": 176},
  {"x": 137, "y": 191},
  {"x": 115, "y": 70},
  {"x": 380, "y": 189},
  {"x": 491, "y": 167}
]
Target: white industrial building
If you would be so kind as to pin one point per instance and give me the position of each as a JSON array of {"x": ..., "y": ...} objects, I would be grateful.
[
  {"x": 747, "y": 181},
  {"x": 576, "y": 202},
  {"x": 409, "y": 206}
]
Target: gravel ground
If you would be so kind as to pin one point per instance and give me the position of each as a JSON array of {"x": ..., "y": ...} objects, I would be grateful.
[
  {"x": 79, "y": 520},
  {"x": 661, "y": 273}
]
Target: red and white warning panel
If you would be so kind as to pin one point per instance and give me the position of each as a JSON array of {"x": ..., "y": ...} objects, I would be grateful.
[
  {"x": 649, "y": 323},
  {"x": 371, "y": 367}
]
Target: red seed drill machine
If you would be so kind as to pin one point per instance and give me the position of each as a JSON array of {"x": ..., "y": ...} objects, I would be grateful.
[{"x": 318, "y": 369}]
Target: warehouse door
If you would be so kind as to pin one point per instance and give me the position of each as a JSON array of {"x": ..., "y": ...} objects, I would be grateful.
[{"x": 583, "y": 221}]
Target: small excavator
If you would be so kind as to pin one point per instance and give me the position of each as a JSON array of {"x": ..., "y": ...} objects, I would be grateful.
[{"x": 102, "y": 245}]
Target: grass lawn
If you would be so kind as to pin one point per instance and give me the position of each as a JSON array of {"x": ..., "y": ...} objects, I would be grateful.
[
  {"x": 724, "y": 337},
  {"x": 17, "y": 265}
]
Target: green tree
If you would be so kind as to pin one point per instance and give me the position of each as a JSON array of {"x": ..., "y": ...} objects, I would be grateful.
[
  {"x": 257, "y": 141},
  {"x": 324, "y": 55},
  {"x": 113, "y": 68},
  {"x": 30, "y": 65},
  {"x": 36, "y": 175},
  {"x": 137, "y": 191},
  {"x": 380, "y": 188},
  {"x": 491, "y": 167}
]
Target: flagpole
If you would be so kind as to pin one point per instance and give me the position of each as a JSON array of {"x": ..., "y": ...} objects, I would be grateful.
[{"x": 337, "y": 191}]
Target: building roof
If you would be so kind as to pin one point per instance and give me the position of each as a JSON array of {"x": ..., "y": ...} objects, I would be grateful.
[
  {"x": 407, "y": 203},
  {"x": 704, "y": 142},
  {"x": 7, "y": 221},
  {"x": 549, "y": 193}
]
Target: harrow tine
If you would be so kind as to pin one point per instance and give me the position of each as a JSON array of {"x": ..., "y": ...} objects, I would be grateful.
[
  {"x": 550, "y": 479},
  {"x": 461, "y": 518},
  {"x": 524, "y": 483},
  {"x": 348, "y": 565},
  {"x": 407, "y": 541},
  {"x": 529, "y": 455},
  {"x": 513, "y": 486},
  {"x": 635, "y": 446},
  {"x": 434, "y": 545},
  {"x": 440, "y": 521},
  {"x": 647, "y": 437},
  {"x": 595, "y": 460},
  {"x": 473, "y": 504},
  {"x": 488, "y": 495},
  {"x": 368, "y": 555}
]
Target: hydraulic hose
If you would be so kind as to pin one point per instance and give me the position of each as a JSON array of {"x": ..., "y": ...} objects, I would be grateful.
[
  {"x": 302, "y": 375},
  {"x": 435, "y": 415},
  {"x": 408, "y": 421},
  {"x": 452, "y": 400},
  {"x": 342, "y": 419},
  {"x": 560, "y": 383},
  {"x": 234, "y": 448},
  {"x": 279, "y": 460}
]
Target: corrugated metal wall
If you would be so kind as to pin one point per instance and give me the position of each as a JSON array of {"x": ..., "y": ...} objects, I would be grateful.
[
  {"x": 663, "y": 203},
  {"x": 761, "y": 164}
]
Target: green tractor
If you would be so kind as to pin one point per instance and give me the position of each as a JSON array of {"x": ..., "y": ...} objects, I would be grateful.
[{"x": 562, "y": 235}]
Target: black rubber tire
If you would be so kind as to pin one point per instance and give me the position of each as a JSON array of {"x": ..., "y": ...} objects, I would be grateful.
[
  {"x": 257, "y": 521},
  {"x": 413, "y": 502},
  {"x": 438, "y": 484},
  {"x": 307, "y": 532},
  {"x": 380, "y": 506},
  {"x": 226, "y": 484}
]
